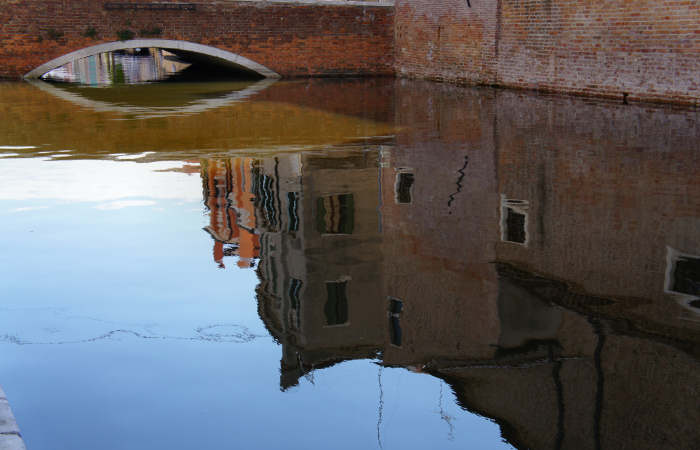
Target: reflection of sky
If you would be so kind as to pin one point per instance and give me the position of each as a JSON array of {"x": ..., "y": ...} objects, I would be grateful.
[
  {"x": 94, "y": 181},
  {"x": 116, "y": 329}
]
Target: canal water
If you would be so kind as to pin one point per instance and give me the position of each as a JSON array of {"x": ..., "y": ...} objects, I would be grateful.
[{"x": 358, "y": 263}]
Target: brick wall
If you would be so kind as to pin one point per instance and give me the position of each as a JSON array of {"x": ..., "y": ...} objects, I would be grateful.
[
  {"x": 641, "y": 50},
  {"x": 649, "y": 50},
  {"x": 293, "y": 39},
  {"x": 446, "y": 40}
]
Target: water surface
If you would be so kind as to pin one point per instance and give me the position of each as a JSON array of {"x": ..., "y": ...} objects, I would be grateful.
[{"x": 347, "y": 264}]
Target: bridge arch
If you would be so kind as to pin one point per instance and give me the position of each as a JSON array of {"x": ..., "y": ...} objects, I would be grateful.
[{"x": 221, "y": 56}]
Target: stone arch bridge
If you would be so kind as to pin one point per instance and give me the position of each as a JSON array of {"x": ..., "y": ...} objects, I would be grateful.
[{"x": 271, "y": 38}]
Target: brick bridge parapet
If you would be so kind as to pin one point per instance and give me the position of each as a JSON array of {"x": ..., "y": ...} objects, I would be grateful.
[{"x": 300, "y": 38}]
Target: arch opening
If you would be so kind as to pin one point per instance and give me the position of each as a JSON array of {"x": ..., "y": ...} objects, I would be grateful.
[{"x": 197, "y": 57}]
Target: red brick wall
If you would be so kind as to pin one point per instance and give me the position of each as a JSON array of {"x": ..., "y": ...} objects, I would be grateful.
[
  {"x": 446, "y": 39},
  {"x": 647, "y": 49},
  {"x": 291, "y": 39}
]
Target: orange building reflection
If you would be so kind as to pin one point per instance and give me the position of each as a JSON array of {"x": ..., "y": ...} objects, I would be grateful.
[{"x": 228, "y": 195}]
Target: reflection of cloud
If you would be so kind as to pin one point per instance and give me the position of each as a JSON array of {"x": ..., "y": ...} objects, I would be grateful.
[
  {"x": 137, "y": 156},
  {"x": 124, "y": 204},
  {"x": 94, "y": 181},
  {"x": 17, "y": 147},
  {"x": 28, "y": 208}
]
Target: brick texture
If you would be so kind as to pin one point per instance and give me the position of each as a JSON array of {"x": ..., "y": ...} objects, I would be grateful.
[
  {"x": 635, "y": 50},
  {"x": 639, "y": 50},
  {"x": 446, "y": 40},
  {"x": 293, "y": 39}
]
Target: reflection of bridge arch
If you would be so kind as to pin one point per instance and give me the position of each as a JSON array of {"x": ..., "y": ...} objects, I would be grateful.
[
  {"x": 222, "y": 57},
  {"x": 195, "y": 107}
]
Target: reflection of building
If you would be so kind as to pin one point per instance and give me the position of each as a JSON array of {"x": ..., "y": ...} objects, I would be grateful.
[
  {"x": 545, "y": 298},
  {"x": 312, "y": 219},
  {"x": 594, "y": 354},
  {"x": 320, "y": 259},
  {"x": 229, "y": 192},
  {"x": 126, "y": 66},
  {"x": 566, "y": 377}
]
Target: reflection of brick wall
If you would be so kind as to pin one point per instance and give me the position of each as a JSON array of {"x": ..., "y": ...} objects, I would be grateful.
[
  {"x": 608, "y": 186},
  {"x": 633, "y": 393},
  {"x": 369, "y": 98},
  {"x": 280, "y": 115},
  {"x": 291, "y": 39},
  {"x": 648, "y": 49},
  {"x": 601, "y": 182},
  {"x": 437, "y": 247}
]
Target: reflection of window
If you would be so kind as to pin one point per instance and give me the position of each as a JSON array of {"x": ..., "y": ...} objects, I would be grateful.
[
  {"x": 515, "y": 226},
  {"x": 683, "y": 276},
  {"x": 336, "y": 308},
  {"x": 514, "y": 220},
  {"x": 686, "y": 276},
  {"x": 293, "y": 199},
  {"x": 263, "y": 190},
  {"x": 404, "y": 187},
  {"x": 293, "y": 292},
  {"x": 335, "y": 214},
  {"x": 395, "y": 307}
]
